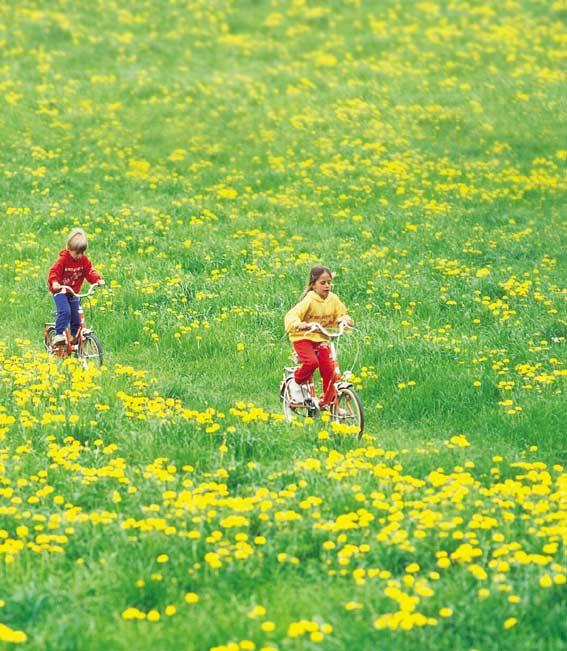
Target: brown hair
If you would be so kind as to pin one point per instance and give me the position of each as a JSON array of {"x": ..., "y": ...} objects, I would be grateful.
[
  {"x": 316, "y": 272},
  {"x": 77, "y": 240}
]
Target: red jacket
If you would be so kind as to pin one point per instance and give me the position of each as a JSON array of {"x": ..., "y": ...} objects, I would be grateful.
[{"x": 70, "y": 271}]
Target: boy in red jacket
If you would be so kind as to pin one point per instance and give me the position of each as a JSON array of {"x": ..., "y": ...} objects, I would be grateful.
[{"x": 71, "y": 269}]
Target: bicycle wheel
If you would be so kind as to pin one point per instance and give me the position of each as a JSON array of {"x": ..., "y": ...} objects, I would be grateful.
[
  {"x": 347, "y": 409},
  {"x": 48, "y": 338},
  {"x": 90, "y": 350},
  {"x": 291, "y": 409}
]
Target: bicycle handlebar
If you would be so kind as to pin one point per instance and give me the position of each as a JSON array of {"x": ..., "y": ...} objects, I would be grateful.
[
  {"x": 65, "y": 289},
  {"x": 332, "y": 335}
]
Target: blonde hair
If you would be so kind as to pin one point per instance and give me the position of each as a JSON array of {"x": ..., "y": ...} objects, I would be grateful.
[
  {"x": 316, "y": 272},
  {"x": 77, "y": 240}
]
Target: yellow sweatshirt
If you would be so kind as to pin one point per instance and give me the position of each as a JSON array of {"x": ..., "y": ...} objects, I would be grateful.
[{"x": 313, "y": 308}]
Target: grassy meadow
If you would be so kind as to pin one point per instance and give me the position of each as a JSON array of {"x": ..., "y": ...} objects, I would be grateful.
[{"x": 214, "y": 150}]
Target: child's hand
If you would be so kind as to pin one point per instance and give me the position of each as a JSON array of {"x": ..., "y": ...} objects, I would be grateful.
[
  {"x": 347, "y": 321},
  {"x": 101, "y": 282},
  {"x": 302, "y": 326},
  {"x": 55, "y": 285}
]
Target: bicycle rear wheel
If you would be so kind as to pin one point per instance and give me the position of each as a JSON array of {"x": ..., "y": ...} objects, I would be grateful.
[
  {"x": 291, "y": 409},
  {"x": 347, "y": 409},
  {"x": 90, "y": 350}
]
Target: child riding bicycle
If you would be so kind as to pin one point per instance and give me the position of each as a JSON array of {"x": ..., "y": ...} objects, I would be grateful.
[
  {"x": 317, "y": 305},
  {"x": 71, "y": 269}
]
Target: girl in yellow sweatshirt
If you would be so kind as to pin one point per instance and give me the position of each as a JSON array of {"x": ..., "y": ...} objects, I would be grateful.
[{"x": 318, "y": 304}]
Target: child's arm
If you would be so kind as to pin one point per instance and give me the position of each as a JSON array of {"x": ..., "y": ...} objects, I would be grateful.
[
  {"x": 294, "y": 318},
  {"x": 91, "y": 274},
  {"x": 55, "y": 275},
  {"x": 342, "y": 313}
]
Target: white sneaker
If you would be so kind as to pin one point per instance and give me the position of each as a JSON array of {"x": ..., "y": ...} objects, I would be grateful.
[
  {"x": 59, "y": 339},
  {"x": 296, "y": 391}
]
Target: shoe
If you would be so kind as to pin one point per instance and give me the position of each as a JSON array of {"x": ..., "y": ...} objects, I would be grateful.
[
  {"x": 296, "y": 391},
  {"x": 59, "y": 339}
]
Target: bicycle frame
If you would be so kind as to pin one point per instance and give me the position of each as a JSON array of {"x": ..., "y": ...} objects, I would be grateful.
[
  {"x": 345, "y": 408},
  {"x": 341, "y": 380}
]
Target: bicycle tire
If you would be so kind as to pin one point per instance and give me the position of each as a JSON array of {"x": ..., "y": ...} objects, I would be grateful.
[
  {"x": 91, "y": 349},
  {"x": 348, "y": 401}
]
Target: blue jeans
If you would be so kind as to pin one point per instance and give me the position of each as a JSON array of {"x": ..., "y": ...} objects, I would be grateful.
[{"x": 67, "y": 313}]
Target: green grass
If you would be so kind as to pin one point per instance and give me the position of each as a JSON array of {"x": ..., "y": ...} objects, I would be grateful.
[{"x": 214, "y": 152}]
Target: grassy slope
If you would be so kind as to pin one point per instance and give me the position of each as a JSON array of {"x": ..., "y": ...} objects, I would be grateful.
[{"x": 214, "y": 151}]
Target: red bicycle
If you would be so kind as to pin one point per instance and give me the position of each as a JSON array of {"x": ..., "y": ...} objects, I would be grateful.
[
  {"x": 346, "y": 407},
  {"x": 85, "y": 345}
]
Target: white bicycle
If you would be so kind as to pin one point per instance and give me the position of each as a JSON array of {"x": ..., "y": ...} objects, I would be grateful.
[{"x": 346, "y": 406}]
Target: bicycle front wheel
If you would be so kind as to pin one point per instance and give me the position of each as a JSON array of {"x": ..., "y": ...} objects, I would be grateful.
[
  {"x": 90, "y": 350},
  {"x": 347, "y": 409}
]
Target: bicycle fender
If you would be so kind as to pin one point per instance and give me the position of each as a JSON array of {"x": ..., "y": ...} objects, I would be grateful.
[{"x": 343, "y": 384}]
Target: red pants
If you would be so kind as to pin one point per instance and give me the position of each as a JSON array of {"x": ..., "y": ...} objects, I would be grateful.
[{"x": 312, "y": 355}]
